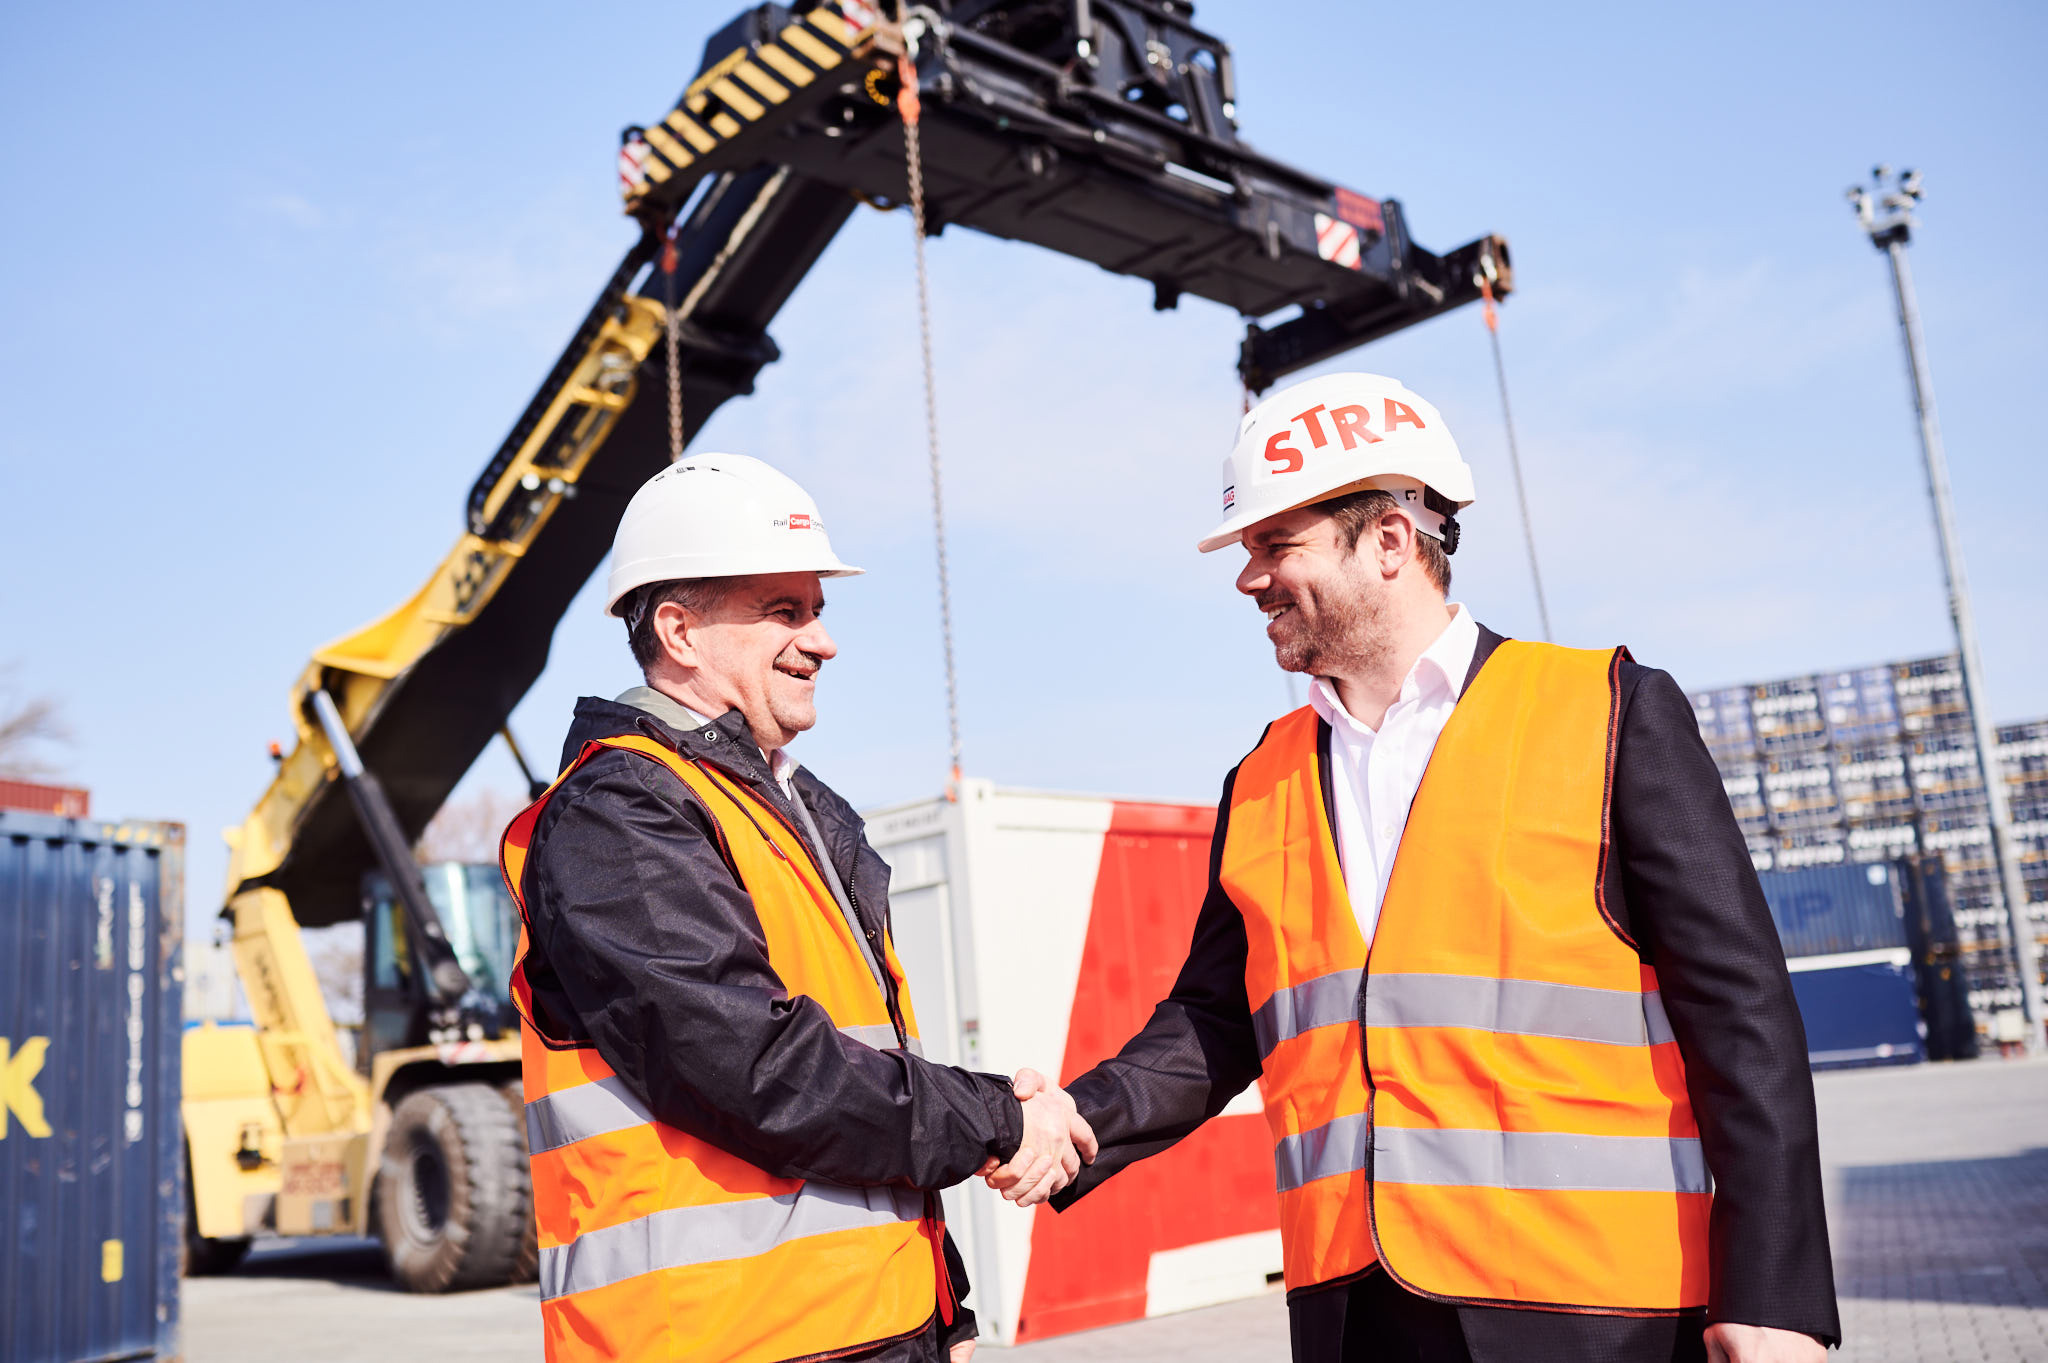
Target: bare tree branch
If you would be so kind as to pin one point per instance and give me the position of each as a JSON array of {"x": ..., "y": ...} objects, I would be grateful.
[
  {"x": 26, "y": 727},
  {"x": 336, "y": 954},
  {"x": 468, "y": 829}
]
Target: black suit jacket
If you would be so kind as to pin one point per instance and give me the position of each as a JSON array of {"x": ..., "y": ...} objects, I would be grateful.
[{"x": 1681, "y": 887}]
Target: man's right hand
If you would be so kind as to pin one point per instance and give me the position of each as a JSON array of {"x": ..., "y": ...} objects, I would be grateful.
[{"x": 1057, "y": 1142}]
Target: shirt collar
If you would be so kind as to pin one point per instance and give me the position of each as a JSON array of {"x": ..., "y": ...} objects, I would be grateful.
[
  {"x": 663, "y": 707},
  {"x": 677, "y": 715},
  {"x": 1451, "y": 654},
  {"x": 1444, "y": 664}
]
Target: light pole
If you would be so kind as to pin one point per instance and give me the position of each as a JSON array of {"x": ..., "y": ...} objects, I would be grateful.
[{"x": 1885, "y": 210}]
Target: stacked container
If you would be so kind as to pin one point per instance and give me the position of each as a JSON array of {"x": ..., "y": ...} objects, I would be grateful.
[
  {"x": 1860, "y": 707},
  {"x": 2023, "y": 754},
  {"x": 91, "y": 1155},
  {"x": 1744, "y": 782},
  {"x": 1876, "y": 790},
  {"x": 1838, "y": 910},
  {"x": 1846, "y": 943},
  {"x": 1725, "y": 723},
  {"x": 1799, "y": 789},
  {"x": 1930, "y": 695},
  {"x": 66, "y": 801},
  {"x": 1937, "y": 961},
  {"x": 1788, "y": 718},
  {"x": 1901, "y": 779}
]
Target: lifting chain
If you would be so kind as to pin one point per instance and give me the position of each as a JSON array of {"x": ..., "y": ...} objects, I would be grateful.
[
  {"x": 674, "y": 342},
  {"x": 1485, "y": 280},
  {"x": 907, "y": 105}
]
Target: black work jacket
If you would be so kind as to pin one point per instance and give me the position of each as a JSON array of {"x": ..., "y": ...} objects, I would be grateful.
[
  {"x": 643, "y": 943},
  {"x": 1681, "y": 886}
]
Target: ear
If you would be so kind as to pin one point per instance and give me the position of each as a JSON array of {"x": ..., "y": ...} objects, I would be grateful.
[
  {"x": 1393, "y": 543},
  {"x": 675, "y": 630}
]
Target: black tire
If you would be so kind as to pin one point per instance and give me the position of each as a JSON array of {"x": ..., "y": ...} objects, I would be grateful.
[
  {"x": 206, "y": 1258},
  {"x": 525, "y": 1267},
  {"x": 453, "y": 1192}
]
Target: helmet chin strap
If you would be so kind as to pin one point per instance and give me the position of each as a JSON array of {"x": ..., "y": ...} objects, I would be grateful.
[
  {"x": 1446, "y": 512},
  {"x": 1434, "y": 515},
  {"x": 636, "y": 610}
]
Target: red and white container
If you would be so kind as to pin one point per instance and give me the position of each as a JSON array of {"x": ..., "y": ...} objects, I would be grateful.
[{"x": 1040, "y": 929}]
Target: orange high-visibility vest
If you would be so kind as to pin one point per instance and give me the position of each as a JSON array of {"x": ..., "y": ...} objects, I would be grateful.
[
  {"x": 655, "y": 1245},
  {"x": 1489, "y": 1102}
]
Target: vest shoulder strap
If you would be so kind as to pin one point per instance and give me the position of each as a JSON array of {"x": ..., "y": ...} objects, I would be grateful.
[{"x": 1280, "y": 751}]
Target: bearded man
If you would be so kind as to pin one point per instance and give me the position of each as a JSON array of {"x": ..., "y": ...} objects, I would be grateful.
[{"x": 1482, "y": 926}]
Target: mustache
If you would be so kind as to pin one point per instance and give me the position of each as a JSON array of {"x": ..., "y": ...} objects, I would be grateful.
[
  {"x": 797, "y": 659},
  {"x": 1273, "y": 597}
]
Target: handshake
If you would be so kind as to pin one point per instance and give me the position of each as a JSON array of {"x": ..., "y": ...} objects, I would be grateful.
[{"x": 1057, "y": 1142}]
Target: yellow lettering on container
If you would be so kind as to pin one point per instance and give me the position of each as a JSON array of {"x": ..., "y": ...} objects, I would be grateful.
[{"x": 18, "y": 1094}]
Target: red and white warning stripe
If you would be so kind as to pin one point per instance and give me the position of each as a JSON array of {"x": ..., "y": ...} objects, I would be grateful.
[
  {"x": 633, "y": 166},
  {"x": 463, "y": 1052},
  {"x": 1040, "y": 930},
  {"x": 1337, "y": 240}
]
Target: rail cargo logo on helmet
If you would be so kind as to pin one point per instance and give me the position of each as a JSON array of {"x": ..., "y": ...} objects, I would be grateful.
[
  {"x": 1230, "y": 497},
  {"x": 799, "y": 520}
]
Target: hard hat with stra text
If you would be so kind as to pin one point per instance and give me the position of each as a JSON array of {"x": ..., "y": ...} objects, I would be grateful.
[
  {"x": 717, "y": 515},
  {"x": 1338, "y": 434}
]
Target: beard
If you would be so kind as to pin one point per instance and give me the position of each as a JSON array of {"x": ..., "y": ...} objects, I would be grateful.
[{"x": 1331, "y": 632}]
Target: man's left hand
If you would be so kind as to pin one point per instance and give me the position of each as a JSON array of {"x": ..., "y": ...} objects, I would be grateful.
[
  {"x": 961, "y": 1352},
  {"x": 1057, "y": 1123},
  {"x": 1730, "y": 1343}
]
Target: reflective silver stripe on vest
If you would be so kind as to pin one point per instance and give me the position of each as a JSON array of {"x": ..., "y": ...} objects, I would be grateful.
[
  {"x": 881, "y": 1036},
  {"x": 1336, "y": 1147},
  {"x": 1493, "y": 1159},
  {"x": 578, "y": 1113},
  {"x": 1621, "y": 1017},
  {"x": 1299, "y": 1008},
  {"x": 683, "y": 1236},
  {"x": 1539, "y": 1160},
  {"x": 601, "y": 1108}
]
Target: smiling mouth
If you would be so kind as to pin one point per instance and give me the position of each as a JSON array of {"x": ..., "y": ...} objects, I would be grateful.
[
  {"x": 810, "y": 676},
  {"x": 1275, "y": 612}
]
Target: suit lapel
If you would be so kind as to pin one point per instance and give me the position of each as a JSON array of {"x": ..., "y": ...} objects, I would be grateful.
[{"x": 1488, "y": 642}]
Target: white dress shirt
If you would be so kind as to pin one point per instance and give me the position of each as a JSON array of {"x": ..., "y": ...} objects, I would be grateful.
[{"x": 1374, "y": 774}]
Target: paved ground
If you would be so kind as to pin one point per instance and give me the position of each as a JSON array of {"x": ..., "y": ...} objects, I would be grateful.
[
  {"x": 1937, "y": 1204},
  {"x": 1938, "y": 1209}
]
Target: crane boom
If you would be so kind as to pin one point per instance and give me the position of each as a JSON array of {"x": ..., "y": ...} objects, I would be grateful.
[{"x": 1103, "y": 129}]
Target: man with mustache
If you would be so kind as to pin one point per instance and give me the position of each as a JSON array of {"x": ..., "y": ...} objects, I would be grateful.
[
  {"x": 736, "y": 1143},
  {"x": 1482, "y": 926}
]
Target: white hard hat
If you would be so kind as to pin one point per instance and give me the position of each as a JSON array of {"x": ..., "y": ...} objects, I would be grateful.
[
  {"x": 717, "y": 515},
  {"x": 1338, "y": 434}
]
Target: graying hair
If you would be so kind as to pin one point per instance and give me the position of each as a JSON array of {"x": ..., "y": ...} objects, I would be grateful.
[{"x": 695, "y": 594}]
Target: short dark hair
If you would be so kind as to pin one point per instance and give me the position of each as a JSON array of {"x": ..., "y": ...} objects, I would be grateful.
[
  {"x": 1358, "y": 512},
  {"x": 697, "y": 594}
]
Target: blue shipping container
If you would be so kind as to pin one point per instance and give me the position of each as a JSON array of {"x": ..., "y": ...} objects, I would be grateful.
[
  {"x": 1832, "y": 910},
  {"x": 92, "y": 1198},
  {"x": 1859, "y": 1014}
]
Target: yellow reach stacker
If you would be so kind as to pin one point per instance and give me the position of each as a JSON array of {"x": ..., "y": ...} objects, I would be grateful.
[{"x": 1104, "y": 129}]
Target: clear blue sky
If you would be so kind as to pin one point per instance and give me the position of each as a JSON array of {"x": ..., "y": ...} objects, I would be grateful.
[{"x": 278, "y": 278}]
